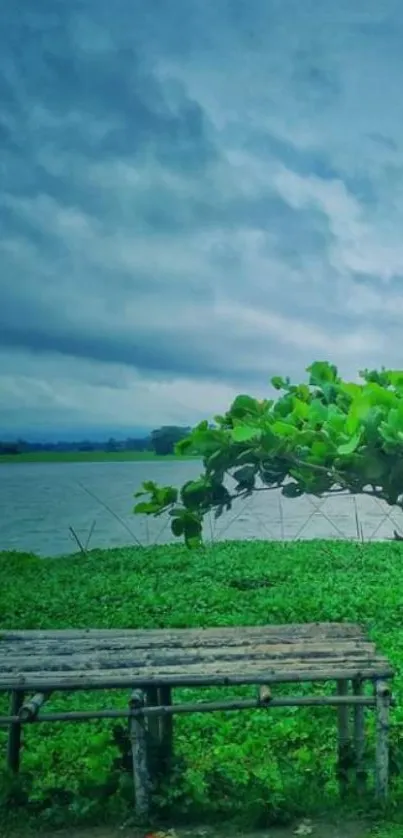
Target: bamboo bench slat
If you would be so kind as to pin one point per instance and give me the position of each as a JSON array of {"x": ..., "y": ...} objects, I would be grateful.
[{"x": 86, "y": 659}]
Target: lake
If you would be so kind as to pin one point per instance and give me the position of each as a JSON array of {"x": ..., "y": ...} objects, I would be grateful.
[{"x": 40, "y": 501}]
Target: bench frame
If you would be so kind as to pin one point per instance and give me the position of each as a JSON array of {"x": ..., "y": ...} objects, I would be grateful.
[{"x": 150, "y": 708}]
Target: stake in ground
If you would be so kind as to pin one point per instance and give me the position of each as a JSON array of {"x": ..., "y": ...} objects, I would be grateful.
[{"x": 326, "y": 436}]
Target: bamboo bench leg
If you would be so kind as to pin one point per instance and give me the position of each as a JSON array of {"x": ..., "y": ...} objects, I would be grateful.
[
  {"x": 160, "y": 729},
  {"x": 151, "y": 741},
  {"x": 344, "y": 741},
  {"x": 359, "y": 739},
  {"x": 382, "y": 740},
  {"x": 153, "y": 732},
  {"x": 14, "y": 734},
  {"x": 166, "y": 731},
  {"x": 140, "y": 756}
]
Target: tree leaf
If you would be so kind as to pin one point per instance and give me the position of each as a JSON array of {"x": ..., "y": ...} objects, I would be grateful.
[
  {"x": 280, "y": 383},
  {"x": 149, "y": 486},
  {"x": 166, "y": 495},
  {"x": 146, "y": 508},
  {"x": 243, "y": 405},
  {"x": 349, "y": 447},
  {"x": 292, "y": 490},
  {"x": 284, "y": 429},
  {"x": 244, "y": 433},
  {"x": 178, "y": 526},
  {"x": 195, "y": 493},
  {"x": 245, "y": 476},
  {"x": 321, "y": 372},
  {"x": 318, "y": 412}
]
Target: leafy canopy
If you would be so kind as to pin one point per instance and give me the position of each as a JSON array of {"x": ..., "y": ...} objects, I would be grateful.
[{"x": 325, "y": 436}]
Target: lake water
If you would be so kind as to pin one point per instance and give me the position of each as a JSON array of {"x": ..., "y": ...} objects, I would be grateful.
[{"x": 39, "y": 502}]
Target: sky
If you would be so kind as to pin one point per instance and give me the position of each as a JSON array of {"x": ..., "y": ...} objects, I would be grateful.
[{"x": 195, "y": 195}]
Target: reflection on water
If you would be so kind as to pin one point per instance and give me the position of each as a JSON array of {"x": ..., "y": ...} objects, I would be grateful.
[{"x": 39, "y": 502}]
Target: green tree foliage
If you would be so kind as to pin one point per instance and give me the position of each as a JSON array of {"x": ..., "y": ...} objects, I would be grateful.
[
  {"x": 10, "y": 448},
  {"x": 163, "y": 440},
  {"x": 324, "y": 436}
]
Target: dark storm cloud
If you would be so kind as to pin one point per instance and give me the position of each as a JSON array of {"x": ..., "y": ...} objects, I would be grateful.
[
  {"x": 195, "y": 189},
  {"x": 115, "y": 106}
]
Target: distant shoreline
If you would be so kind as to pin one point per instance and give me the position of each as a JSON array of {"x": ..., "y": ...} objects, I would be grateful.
[{"x": 89, "y": 457}]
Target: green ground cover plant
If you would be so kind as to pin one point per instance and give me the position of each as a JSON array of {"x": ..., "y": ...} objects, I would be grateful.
[{"x": 261, "y": 767}]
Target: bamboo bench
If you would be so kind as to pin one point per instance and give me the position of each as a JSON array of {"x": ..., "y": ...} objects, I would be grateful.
[{"x": 34, "y": 664}]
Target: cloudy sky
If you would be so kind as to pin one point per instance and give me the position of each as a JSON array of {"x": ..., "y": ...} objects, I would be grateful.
[{"x": 195, "y": 195}]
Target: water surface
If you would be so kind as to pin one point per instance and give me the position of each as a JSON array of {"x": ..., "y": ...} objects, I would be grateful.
[{"x": 40, "y": 501}]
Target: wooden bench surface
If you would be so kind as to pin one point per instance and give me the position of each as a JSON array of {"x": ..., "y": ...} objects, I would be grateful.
[{"x": 96, "y": 659}]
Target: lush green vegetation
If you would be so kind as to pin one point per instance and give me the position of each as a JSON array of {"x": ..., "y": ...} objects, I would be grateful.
[
  {"x": 261, "y": 767},
  {"x": 88, "y": 456},
  {"x": 323, "y": 436},
  {"x": 163, "y": 440}
]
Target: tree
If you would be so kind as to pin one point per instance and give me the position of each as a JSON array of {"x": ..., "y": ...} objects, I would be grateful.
[
  {"x": 163, "y": 440},
  {"x": 10, "y": 448},
  {"x": 324, "y": 436}
]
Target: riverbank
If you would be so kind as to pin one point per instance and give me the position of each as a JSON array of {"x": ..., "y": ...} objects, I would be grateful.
[
  {"x": 259, "y": 769},
  {"x": 89, "y": 457}
]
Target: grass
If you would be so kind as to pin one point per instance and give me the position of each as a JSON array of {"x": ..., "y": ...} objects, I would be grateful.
[
  {"x": 257, "y": 767},
  {"x": 86, "y": 457}
]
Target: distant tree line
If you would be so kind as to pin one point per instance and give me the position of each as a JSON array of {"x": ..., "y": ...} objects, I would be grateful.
[{"x": 161, "y": 441}]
